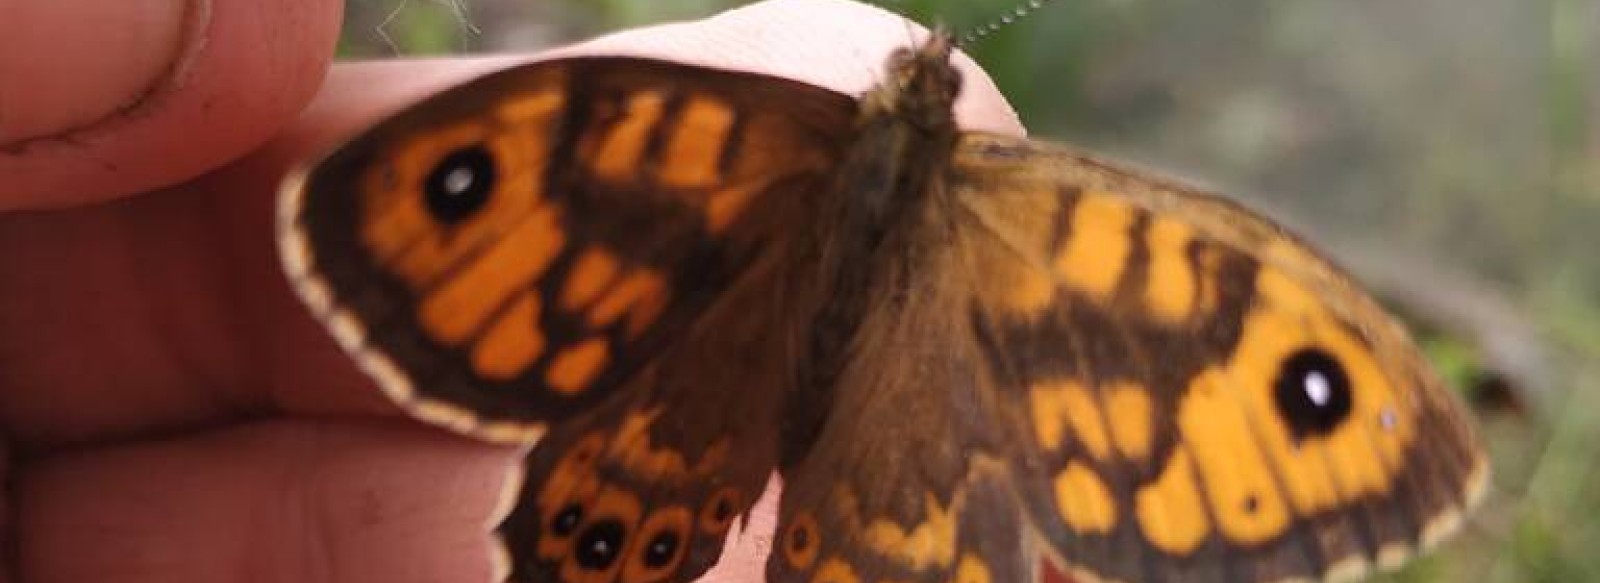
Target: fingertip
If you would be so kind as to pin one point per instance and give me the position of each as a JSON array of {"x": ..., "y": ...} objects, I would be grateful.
[
  {"x": 837, "y": 44},
  {"x": 207, "y": 81},
  {"x": 846, "y": 51},
  {"x": 348, "y": 103}
]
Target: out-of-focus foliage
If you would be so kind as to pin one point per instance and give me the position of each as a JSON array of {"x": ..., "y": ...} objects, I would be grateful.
[{"x": 1446, "y": 149}]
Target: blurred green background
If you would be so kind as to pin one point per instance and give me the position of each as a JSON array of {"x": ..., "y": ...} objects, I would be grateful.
[{"x": 1445, "y": 150}]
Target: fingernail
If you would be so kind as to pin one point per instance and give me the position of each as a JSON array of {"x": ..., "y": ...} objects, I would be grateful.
[{"x": 67, "y": 65}]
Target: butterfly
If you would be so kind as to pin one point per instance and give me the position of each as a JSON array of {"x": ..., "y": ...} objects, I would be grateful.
[{"x": 970, "y": 357}]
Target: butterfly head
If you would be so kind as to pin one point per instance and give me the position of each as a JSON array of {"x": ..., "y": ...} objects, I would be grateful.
[{"x": 921, "y": 86}]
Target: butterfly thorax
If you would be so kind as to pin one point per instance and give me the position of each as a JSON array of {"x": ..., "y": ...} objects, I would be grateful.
[
  {"x": 906, "y": 126},
  {"x": 891, "y": 191},
  {"x": 905, "y": 134}
]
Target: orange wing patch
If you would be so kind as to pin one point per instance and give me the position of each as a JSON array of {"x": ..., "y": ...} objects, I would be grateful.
[
  {"x": 1170, "y": 288},
  {"x": 575, "y": 367},
  {"x": 1170, "y": 511},
  {"x": 694, "y": 149},
  {"x": 641, "y": 296},
  {"x": 725, "y": 205},
  {"x": 461, "y": 306},
  {"x": 1097, "y": 246},
  {"x": 632, "y": 450},
  {"x": 622, "y": 147},
  {"x": 1066, "y": 405},
  {"x": 592, "y": 272},
  {"x": 835, "y": 570},
  {"x": 1239, "y": 483},
  {"x": 972, "y": 569},
  {"x": 1130, "y": 418},
  {"x": 930, "y": 543},
  {"x": 531, "y": 108},
  {"x": 1085, "y": 503},
  {"x": 513, "y": 342}
]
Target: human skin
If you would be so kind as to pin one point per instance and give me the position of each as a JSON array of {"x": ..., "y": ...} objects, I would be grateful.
[{"x": 170, "y": 411}]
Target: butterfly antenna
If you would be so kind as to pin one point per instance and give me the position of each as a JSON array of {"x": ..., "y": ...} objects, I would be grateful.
[
  {"x": 383, "y": 27},
  {"x": 458, "y": 8},
  {"x": 898, "y": 7},
  {"x": 1005, "y": 19}
]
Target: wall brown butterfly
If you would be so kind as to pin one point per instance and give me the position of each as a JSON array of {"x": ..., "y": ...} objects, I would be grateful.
[{"x": 970, "y": 357}]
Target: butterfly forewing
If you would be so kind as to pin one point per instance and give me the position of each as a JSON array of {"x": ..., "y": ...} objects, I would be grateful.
[
  {"x": 507, "y": 252},
  {"x": 1204, "y": 397}
]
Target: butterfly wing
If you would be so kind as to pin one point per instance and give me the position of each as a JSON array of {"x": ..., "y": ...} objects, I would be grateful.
[
  {"x": 1126, "y": 380},
  {"x": 581, "y": 251},
  {"x": 509, "y": 251},
  {"x": 645, "y": 488},
  {"x": 1244, "y": 410}
]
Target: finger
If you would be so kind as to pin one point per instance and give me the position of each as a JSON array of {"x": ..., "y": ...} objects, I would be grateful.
[
  {"x": 103, "y": 99},
  {"x": 829, "y": 43},
  {"x": 275, "y": 501},
  {"x": 168, "y": 311},
  {"x": 744, "y": 554}
]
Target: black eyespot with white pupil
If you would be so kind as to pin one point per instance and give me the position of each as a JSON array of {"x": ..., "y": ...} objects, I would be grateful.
[
  {"x": 460, "y": 184},
  {"x": 1313, "y": 393},
  {"x": 661, "y": 549},
  {"x": 598, "y": 546}
]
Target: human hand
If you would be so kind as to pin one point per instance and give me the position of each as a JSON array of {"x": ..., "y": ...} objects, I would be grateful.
[{"x": 172, "y": 412}]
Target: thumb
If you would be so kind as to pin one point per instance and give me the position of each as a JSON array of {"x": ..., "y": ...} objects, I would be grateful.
[{"x": 101, "y": 99}]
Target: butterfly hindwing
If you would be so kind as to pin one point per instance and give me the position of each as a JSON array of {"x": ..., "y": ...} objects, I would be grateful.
[
  {"x": 645, "y": 489},
  {"x": 511, "y": 250},
  {"x": 694, "y": 434}
]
